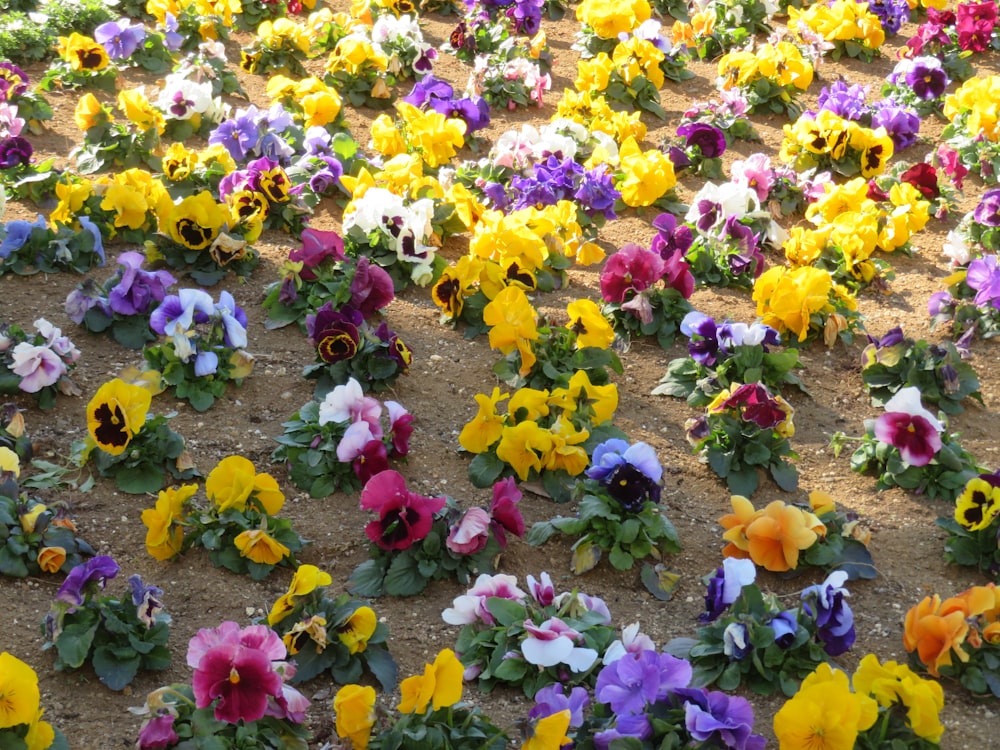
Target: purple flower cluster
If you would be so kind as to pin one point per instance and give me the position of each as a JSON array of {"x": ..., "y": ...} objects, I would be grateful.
[
  {"x": 131, "y": 291},
  {"x": 710, "y": 342},
  {"x": 179, "y": 315},
  {"x": 433, "y": 93},
  {"x": 120, "y": 38},
  {"x": 636, "y": 685},
  {"x": 554, "y": 180},
  {"x": 892, "y": 13},
  {"x": 849, "y": 102},
  {"x": 252, "y": 133}
]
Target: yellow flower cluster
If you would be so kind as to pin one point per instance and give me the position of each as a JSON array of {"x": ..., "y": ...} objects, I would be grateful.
[
  {"x": 979, "y": 100},
  {"x": 788, "y": 299},
  {"x": 825, "y": 713},
  {"x": 206, "y": 10},
  {"x": 180, "y": 162},
  {"x": 828, "y": 139},
  {"x": 846, "y": 218},
  {"x": 595, "y": 114},
  {"x": 432, "y": 135},
  {"x": 941, "y": 630},
  {"x": 609, "y": 18},
  {"x": 648, "y": 175},
  {"x": 318, "y": 103},
  {"x": 530, "y": 235},
  {"x": 513, "y": 325},
  {"x": 19, "y": 702},
  {"x": 470, "y": 275},
  {"x": 782, "y": 64},
  {"x": 356, "y": 56},
  {"x": 630, "y": 59},
  {"x": 519, "y": 437},
  {"x": 284, "y": 34},
  {"x": 839, "y": 21}
]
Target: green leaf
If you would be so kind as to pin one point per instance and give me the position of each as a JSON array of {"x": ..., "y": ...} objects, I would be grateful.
[
  {"x": 511, "y": 670},
  {"x": 367, "y": 579},
  {"x": 113, "y": 672},
  {"x": 139, "y": 480},
  {"x": 75, "y": 641},
  {"x": 785, "y": 475},
  {"x": 505, "y": 611},
  {"x": 539, "y": 533},
  {"x": 383, "y": 666},
  {"x": 403, "y": 578},
  {"x": 620, "y": 559},
  {"x": 485, "y": 469}
]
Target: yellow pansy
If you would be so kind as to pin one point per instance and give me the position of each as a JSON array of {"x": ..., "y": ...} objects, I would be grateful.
[
  {"x": 648, "y": 174},
  {"x": 354, "y": 707},
  {"x": 164, "y": 532},
  {"x": 307, "y": 579},
  {"x": 358, "y": 629},
  {"x": 440, "y": 685},
  {"x": 115, "y": 415},
  {"x": 260, "y": 547},
  {"x": 19, "y": 693},
  {"x": 485, "y": 428}
]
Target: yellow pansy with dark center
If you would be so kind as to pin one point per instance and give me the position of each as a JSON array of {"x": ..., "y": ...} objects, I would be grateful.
[
  {"x": 249, "y": 204},
  {"x": 249, "y": 60},
  {"x": 116, "y": 413},
  {"x": 274, "y": 184},
  {"x": 90, "y": 59},
  {"x": 447, "y": 294},
  {"x": 403, "y": 351}
]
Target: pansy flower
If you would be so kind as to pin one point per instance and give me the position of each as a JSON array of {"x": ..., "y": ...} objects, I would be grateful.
[
  {"x": 909, "y": 427},
  {"x": 115, "y": 415},
  {"x": 404, "y": 517}
]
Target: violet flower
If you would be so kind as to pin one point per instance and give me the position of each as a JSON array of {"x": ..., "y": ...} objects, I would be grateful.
[
  {"x": 120, "y": 39},
  {"x": 88, "y": 577},
  {"x": 826, "y": 602},
  {"x": 987, "y": 212},
  {"x": 137, "y": 290},
  {"x": 724, "y": 588},
  {"x": 635, "y": 681},
  {"x": 844, "y": 100},
  {"x": 720, "y": 720},
  {"x": 708, "y": 139},
  {"x": 902, "y": 124},
  {"x": 926, "y": 76},
  {"x": 15, "y": 151},
  {"x": 552, "y": 699}
]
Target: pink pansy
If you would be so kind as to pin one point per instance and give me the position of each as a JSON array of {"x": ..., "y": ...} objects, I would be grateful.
[
  {"x": 542, "y": 591},
  {"x": 401, "y": 427},
  {"x": 503, "y": 508},
  {"x": 471, "y": 606},
  {"x": 353, "y": 443},
  {"x": 37, "y": 366},
  {"x": 471, "y": 533},
  {"x": 910, "y": 428},
  {"x": 755, "y": 172},
  {"x": 404, "y": 517},
  {"x": 554, "y": 642},
  {"x": 348, "y": 403},
  {"x": 236, "y": 668}
]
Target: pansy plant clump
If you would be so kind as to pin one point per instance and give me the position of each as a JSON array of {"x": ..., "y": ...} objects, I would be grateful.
[
  {"x": 21, "y": 725},
  {"x": 619, "y": 511},
  {"x": 529, "y": 639},
  {"x": 974, "y": 526},
  {"x": 431, "y": 714},
  {"x": 909, "y": 447},
  {"x": 35, "y": 537},
  {"x": 318, "y": 273},
  {"x": 746, "y": 429},
  {"x": 546, "y": 435},
  {"x": 30, "y": 247},
  {"x": 723, "y": 353},
  {"x": 342, "y": 441},
  {"x": 122, "y": 305},
  {"x": 770, "y": 78},
  {"x": 239, "y": 528},
  {"x": 938, "y": 371},
  {"x": 540, "y": 354},
  {"x": 38, "y": 363},
  {"x": 416, "y": 539},
  {"x": 973, "y": 131},
  {"x": 239, "y": 693},
  {"x": 203, "y": 346},
  {"x": 118, "y": 635},
  {"x": 806, "y": 301},
  {"x": 749, "y": 637},
  {"x": 339, "y": 635},
  {"x": 642, "y": 698},
  {"x": 126, "y": 442},
  {"x": 783, "y": 537},
  {"x": 349, "y": 348}
]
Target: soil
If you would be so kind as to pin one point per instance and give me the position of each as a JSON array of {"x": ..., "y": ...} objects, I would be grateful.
[{"x": 447, "y": 372}]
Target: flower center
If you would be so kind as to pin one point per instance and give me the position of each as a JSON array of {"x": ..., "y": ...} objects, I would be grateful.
[{"x": 234, "y": 676}]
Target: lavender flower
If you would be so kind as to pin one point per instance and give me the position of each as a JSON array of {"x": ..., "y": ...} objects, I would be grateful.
[
  {"x": 845, "y": 100},
  {"x": 119, "y": 38},
  {"x": 720, "y": 720},
  {"x": 86, "y": 577},
  {"x": 987, "y": 212},
  {"x": 926, "y": 76},
  {"x": 900, "y": 123},
  {"x": 635, "y": 681},
  {"x": 137, "y": 290}
]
